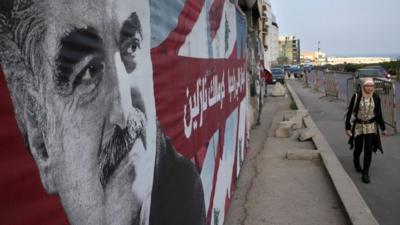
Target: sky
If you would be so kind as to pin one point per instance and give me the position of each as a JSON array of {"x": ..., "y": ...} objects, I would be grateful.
[{"x": 343, "y": 27}]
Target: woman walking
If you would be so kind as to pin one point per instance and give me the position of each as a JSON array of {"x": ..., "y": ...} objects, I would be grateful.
[{"x": 363, "y": 131}]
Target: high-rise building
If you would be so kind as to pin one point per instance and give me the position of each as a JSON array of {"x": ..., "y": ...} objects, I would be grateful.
[
  {"x": 289, "y": 48},
  {"x": 272, "y": 43},
  {"x": 312, "y": 57}
]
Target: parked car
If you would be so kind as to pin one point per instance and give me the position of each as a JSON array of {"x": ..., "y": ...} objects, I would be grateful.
[
  {"x": 384, "y": 72},
  {"x": 278, "y": 75},
  {"x": 368, "y": 72},
  {"x": 308, "y": 68},
  {"x": 286, "y": 69},
  {"x": 296, "y": 71}
]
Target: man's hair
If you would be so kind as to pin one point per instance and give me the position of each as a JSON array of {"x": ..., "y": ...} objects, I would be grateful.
[{"x": 22, "y": 30}]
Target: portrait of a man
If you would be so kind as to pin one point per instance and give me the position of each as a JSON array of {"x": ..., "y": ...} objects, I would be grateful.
[{"x": 80, "y": 77}]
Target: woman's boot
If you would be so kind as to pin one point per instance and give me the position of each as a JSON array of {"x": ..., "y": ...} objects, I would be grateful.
[{"x": 365, "y": 178}]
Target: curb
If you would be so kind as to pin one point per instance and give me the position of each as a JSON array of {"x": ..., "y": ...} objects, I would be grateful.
[{"x": 357, "y": 210}]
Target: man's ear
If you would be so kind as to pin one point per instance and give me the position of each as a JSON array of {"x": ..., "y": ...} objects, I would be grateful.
[{"x": 35, "y": 138}]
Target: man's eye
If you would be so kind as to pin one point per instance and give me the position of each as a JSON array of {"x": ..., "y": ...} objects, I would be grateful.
[
  {"x": 128, "y": 53},
  {"x": 91, "y": 73},
  {"x": 133, "y": 47}
]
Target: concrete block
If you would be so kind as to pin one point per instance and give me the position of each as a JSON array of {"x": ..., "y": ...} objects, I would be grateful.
[
  {"x": 284, "y": 129},
  {"x": 283, "y": 132},
  {"x": 300, "y": 114},
  {"x": 288, "y": 116},
  {"x": 288, "y": 123},
  {"x": 293, "y": 119},
  {"x": 306, "y": 134},
  {"x": 302, "y": 154},
  {"x": 278, "y": 90}
]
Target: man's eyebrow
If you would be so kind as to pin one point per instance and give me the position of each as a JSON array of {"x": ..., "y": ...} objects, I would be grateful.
[
  {"x": 74, "y": 47},
  {"x": 130, "y": 27}
]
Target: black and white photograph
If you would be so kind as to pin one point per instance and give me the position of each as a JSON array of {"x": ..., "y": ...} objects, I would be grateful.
[{"x": 80, "y": 78}]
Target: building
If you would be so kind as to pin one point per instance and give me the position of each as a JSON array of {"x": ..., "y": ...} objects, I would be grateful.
[
  {"x": 263, "y": 30},
  {"x": 271, "y": 50},
  {"x": 289, "y": 47},
  {"x": 357, "y": 60},
  {"x": 256, "y": 45},
  {"x": 274, "y": 46},
  {"x": 312, "y": 57}
]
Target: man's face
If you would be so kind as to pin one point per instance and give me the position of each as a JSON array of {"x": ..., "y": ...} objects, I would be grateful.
[{"x": 100, "y": 124}]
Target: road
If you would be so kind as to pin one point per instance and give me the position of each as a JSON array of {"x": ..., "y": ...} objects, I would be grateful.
[{"x": 383, "y": 193}]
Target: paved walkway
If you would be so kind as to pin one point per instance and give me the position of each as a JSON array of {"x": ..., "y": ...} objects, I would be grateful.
[{"x": 274, "y": 190}]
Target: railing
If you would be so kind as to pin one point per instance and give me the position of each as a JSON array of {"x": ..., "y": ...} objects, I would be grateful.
[
  {"x": 350, "y": 88},
  {"x": 305, "y": 80},
  {"x": 331, "y": 84},
  {"x": 387, "y": 92},
  {"x": 312, "y": 80},
  {"x": 317, "y": 80}
]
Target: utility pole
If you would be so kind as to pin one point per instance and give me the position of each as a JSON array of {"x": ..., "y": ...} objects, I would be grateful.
[{"x": 318, "y": 53}]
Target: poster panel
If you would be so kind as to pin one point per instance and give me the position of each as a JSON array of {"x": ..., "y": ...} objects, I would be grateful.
[{"x": 120, "y": 111}]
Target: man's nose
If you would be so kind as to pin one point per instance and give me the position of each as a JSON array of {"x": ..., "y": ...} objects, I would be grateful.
[{"x": 120, "y": 106}]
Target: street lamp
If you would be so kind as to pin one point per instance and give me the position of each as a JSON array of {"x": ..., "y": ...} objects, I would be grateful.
[{"x": 318, "y": 53}]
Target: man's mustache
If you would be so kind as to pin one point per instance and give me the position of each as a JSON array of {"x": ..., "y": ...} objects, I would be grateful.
[{"x": 120, "y": 144}]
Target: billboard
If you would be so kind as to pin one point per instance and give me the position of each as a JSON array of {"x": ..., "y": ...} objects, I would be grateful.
[{"x": 121, "y": 111}]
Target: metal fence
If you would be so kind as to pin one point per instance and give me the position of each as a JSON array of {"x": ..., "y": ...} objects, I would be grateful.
[
  {"x": 350, "y": 88},
  {"x": 313, "y": 80},
  {"x": 317, "y": 80},
  {"x": 305, "y": 79},
  {"x": 387, "y": 92},
  {"x": 331, "y": 84}
]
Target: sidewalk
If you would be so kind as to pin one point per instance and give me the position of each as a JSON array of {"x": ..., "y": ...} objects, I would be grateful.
[{"x": 274, "y": 190}]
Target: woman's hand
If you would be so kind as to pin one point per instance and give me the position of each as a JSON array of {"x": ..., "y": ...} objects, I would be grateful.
[
  {"x": 348, "y": 132},
  {"x": 384, "y": 133}
]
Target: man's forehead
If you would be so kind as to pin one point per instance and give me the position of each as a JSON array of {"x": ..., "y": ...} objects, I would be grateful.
[
  {"x": 124, "y": 8},
  {"x": 66, "y": 13},
  {"x": 102, "y": 15},
  {"x": 105, "y": 17}
]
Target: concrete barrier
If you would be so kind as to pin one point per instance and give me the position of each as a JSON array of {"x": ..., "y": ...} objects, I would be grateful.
[
  {"x": 278, "y": 90},
  {"x": 285, "y": 129},
  {"x": 306, "y": 134},
  {"x": 302, "y": 154}
]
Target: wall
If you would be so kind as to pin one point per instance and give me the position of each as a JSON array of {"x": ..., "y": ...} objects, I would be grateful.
[{"x": 121, "y": 112}]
